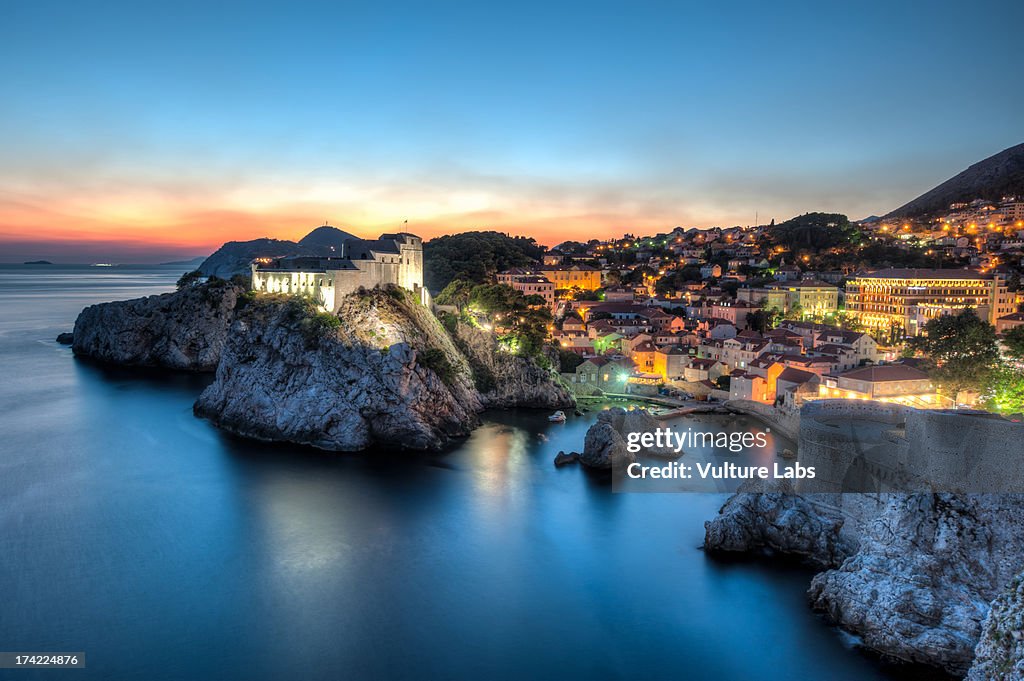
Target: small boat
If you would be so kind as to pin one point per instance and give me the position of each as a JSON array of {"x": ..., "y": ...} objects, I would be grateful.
[{"x": 557, "y": 417}]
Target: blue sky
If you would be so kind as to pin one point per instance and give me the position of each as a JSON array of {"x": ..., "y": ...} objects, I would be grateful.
[{"x": 177, "y": 126}]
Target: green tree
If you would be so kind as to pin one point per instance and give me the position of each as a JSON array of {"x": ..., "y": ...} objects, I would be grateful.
[
  {"x": 475, "y": 256},
  {"x": 845, "y": 320},
  {"x": 1004, "y": 392},
  {"x": 1014, "y": 342},
  {"x": 496, "y": 299},
  {"x": 764, "y": 319},
  {"x": 961, "y": 349},
  {"x": 794, "y": 313},
  {"x": 597, "y": 294},
  {"x": 456, "y": 293},
  {"x": 524, "y": 318},
  {"x": 1013, "y": 283},
  {"x": 568, "y": 361}
]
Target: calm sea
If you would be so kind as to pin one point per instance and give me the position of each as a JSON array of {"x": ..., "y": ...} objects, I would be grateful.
[{"x": 165, "y": 550}]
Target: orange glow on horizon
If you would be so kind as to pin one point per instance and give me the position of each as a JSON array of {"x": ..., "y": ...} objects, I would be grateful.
[{"x": 203, "y": 231}]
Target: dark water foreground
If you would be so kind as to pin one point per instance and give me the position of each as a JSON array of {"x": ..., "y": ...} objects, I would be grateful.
[{"x": 165, "y": 550}]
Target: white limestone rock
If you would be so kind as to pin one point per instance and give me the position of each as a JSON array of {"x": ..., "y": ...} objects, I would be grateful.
[
  {"x": 1000, "y": 652},
  {"x": 605, "y": 444},
  {"x": 778, "y": 521},
  {"x": 389, "y": 376},
  {"x": 928, "y": 566},
  {"x": 185, "y": 330}
]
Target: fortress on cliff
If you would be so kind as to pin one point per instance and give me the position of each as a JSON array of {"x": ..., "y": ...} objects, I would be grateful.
[{"x": 359, "y": 263}]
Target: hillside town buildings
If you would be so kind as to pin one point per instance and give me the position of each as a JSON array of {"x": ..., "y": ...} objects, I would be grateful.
[{"x": 706, "y": 333}]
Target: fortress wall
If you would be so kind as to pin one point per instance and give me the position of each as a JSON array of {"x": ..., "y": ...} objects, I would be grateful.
[
  {"x": 786, "y": 422},
  {"x": 405, "y": 270},
  {"x": 369, "y": 273},
  {"x": 965, "y": 452},
  {"x": 846, "y": 443},
  {"x": 865, "y": 409},
  {"x": 862, "y": 446}
]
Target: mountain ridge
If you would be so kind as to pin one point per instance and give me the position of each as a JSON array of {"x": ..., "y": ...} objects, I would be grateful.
[
  {"x": 999, "y": 175},
  {"x": 234, "y": 257}
]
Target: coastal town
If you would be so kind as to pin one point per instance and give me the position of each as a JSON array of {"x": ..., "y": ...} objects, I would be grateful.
[
  {"x": 815, "y": 307},
  {"x": 778, "y": 314}
]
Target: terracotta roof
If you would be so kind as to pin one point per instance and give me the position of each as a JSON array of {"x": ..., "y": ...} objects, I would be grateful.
[
  {"x": 832, "y": 348},
  {"x": 613, "y": 307},
  {"x": 794, "y": 375},
  {"x": 781, "y": 333}
]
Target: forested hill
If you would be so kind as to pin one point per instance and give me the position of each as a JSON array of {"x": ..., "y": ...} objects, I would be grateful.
[{"x": 475, "y": 256}]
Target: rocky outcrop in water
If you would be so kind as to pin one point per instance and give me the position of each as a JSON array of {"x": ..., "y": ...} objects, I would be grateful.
[
  {"x": 387, "y": 375},
  {"x": 383, "y": 372},
  {"x": 605, "y": 444},
  {"x": 780, "y": 522},
  {"x": 909, "y": 569},
  {"x": 1000, "y": 652},
  {"x": 927, "y": 569},
  {"x": 912, "y": 575},
  {"x": 183, "y": 330}
]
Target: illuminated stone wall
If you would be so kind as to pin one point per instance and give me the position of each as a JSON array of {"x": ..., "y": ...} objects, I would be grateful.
[{"x": 864, "y": 446}]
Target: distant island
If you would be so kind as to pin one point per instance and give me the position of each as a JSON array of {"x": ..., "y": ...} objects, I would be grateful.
[{"x": 37, "y": 262}]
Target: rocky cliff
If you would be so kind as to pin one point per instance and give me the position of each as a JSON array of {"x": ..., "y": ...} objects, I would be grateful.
[
  {"x": 383, "y": 372},
  {"x": 1000, "y": 652},
  {"x": 927, "y": 569},
  {"x": 184, "y": 330},
  {"x": 388, "y": 375},
  {"x": 507, "y": 380},
  {"x": 912, "y": 575},
  {"x": 780, "y": 522}
]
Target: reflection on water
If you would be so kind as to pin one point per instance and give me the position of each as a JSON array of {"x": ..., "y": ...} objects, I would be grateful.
[{"x": 167, "y": 550}]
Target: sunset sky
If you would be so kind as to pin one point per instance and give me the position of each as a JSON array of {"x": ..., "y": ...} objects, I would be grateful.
[{"x": 146, "y": 132}]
